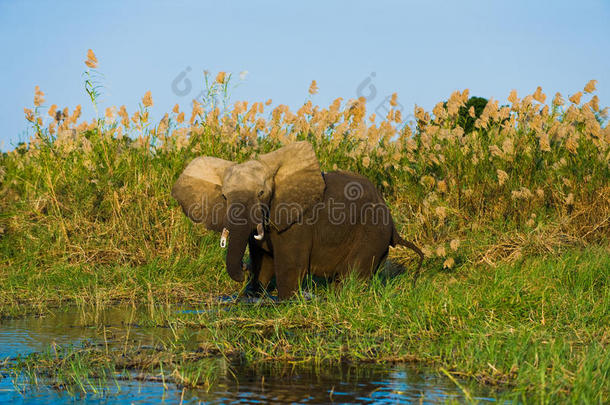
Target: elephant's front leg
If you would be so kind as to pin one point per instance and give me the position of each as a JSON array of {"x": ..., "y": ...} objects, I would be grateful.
[
  {"x": 291, "y": 252},
  {"x": 267, "y": 270},
  {"x": 261, "y": 270}
]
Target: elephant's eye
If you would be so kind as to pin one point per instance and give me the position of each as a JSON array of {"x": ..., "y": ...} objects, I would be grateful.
[
  {"x": 224, "y": 197},
  {"x": 260, "y": 193}
]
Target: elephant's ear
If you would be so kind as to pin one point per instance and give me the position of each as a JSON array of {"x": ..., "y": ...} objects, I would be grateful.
[
  {"x": 199, "y": 191},
  {"x": 298, "y": 183}
]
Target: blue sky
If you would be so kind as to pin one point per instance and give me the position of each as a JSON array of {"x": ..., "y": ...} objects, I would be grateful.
[{"x": 422, "y": 50}]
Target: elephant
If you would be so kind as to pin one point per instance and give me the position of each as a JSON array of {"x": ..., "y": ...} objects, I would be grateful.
[{"x": 294, "y": 218}]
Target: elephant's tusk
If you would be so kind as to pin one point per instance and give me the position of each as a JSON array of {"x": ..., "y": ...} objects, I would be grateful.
[
  {"x": 260, "y": 232},
  {"x": 223, "y": 237}
]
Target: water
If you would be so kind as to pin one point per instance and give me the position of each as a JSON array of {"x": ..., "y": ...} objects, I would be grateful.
[{"x": 278, "y": 383}]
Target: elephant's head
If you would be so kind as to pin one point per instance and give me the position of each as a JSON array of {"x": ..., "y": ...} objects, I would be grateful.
[{"x": 239, "y": 199}]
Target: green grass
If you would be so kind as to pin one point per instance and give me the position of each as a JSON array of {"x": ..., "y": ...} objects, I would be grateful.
[
  {"x": 536, "y": 329},
  {"x": 29, "y": 286}
]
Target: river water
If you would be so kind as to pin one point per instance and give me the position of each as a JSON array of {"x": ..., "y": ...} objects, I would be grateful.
[{"x": 278, "y": 384}]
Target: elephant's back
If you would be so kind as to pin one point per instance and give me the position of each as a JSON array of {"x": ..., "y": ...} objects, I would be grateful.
[
  {"x": 353, "y": 229},
  {"x": 350, "y": 187}
]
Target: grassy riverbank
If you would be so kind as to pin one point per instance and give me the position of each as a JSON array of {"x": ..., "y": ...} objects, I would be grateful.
[
  {"x": 535, "y": 329},
  {"x": 510, "y": 204}
]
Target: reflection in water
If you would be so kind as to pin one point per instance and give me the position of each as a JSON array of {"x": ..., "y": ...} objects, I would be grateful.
[
  {"x": 69, "y": 326},
  {"x": 279, "y": 383},
  {"x": 347, "y": 384}
]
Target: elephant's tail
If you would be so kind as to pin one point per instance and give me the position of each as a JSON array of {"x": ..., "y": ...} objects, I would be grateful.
[{"x": 398, "y": 240}]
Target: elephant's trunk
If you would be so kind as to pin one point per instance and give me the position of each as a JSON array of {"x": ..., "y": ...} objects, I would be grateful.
[{"x": 238, "y": 240}]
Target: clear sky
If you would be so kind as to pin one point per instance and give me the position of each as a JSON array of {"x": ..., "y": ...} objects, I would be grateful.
[{"x": 423, "y": 50}]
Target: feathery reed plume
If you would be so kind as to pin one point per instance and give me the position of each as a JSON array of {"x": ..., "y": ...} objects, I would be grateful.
[
  {"x": 539, "y": 95},
  {"x": 313, "y": 87},
  {"x": 512, "y": 97},
  {"x": 109, "y": 113},
  {"x": 575, "y": 99},
  {"x": 29, "y": 114},
  {"x": 38, "y": 97},
  {"x": 502, "y": 176},
  {"x": 147, "y": 100},
  {"x": 594, "y": 103},
  {"x": 454, "y": 244},
  {"x": 124, "y": 116},
  {"x": 221, "y": 77},
  {"x": 558, "y": 100},
  {"x": 91, "y": 61},
  {"x": 590, "y": 87},
  {"x": 394, "y": 99}
]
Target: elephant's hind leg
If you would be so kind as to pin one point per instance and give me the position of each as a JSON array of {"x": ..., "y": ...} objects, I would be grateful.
[{"x": 364, "y": 258}]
